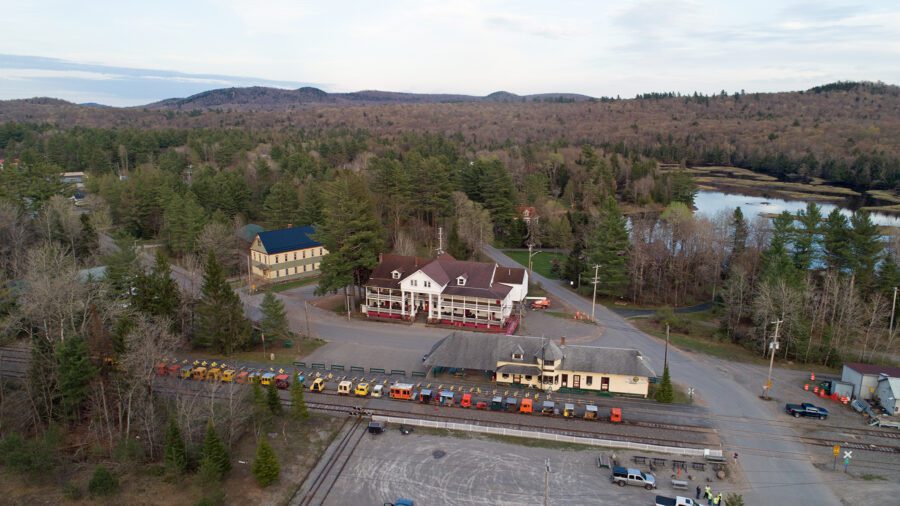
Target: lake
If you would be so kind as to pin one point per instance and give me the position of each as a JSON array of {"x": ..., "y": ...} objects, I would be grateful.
[{"x": 711, "y": 202}]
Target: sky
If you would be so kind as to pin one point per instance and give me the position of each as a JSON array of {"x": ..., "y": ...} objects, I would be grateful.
[{"x": 132, "y": 52}]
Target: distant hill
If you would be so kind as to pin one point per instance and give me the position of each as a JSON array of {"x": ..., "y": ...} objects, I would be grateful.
[{"x": 273, "y": 99}]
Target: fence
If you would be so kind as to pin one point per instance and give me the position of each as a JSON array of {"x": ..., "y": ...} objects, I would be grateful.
[{"x": 500, "y": 431}]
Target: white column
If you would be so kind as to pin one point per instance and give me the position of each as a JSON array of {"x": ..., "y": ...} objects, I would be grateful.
[{"x": 402, "y": 303}]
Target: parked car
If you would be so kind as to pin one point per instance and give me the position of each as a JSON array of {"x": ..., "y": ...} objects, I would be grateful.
[
  {"x": 806, "y": 409},
  {"x": 631, "y": 476},
  {"x": 677, "y": 501}
]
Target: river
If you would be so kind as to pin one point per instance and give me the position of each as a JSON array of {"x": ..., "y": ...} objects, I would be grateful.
[{"x": 710, "y": 203}]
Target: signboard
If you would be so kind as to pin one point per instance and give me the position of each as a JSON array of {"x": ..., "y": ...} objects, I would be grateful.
[{"x": 837, "y": 450}]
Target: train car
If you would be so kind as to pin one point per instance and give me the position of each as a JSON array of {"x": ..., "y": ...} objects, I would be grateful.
[
  {"x": 615, "y": 415},
  {"x": 568, "y": 410},
  {"x": 362, "y": 390},
  {"x": 174, "y": 370},
  {"x": 282, "y": 381},
  {"x": 228, "y": 376},
  {"x": 447, "y": 398},
  {"x": 345, "y": 387},
  {"x": 497, "y": 403},
  {"x": 511, "y": 404},
  {"x": 254, "y": 377},
  {"x": 526, "y": 407},
  {"x": 466, "y": 401},
  {"x": 199, "y": 373},
  {"x": 242, "y": 377},
  {"x": 318, "y": 385},
  {"x": 214, "y": 374},
  {"x": 161, "y": 369},
  {"x": 300, "y": 378},
  {"x": 187, "y": 373},
  {"x": 378, "y": 391},
  {"x": 402, "y": 391},
  {"x": 590, "y": 412},
  {"x": 481, "y": 405},
  {"x": 548, "y": 408},
  {"x": 426, "y": 396},
  {"x": 267, "y": 378}
]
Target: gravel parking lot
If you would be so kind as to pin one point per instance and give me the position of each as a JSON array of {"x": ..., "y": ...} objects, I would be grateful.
[{"x": 436, "y": 468}]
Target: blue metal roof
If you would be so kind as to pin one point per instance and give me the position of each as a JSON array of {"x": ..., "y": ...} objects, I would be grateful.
[{"x": 288, "y": 239}]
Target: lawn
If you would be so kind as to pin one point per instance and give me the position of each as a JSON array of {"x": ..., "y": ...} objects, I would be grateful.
[
  {"x": 540, "y": 262},
  {"x": 280, "y": 287},
  {"x": 283, "y": 356}
]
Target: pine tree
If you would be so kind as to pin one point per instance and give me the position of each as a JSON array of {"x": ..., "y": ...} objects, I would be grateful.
[
  {"x": 888, "y": 275},
  {"x": 102, "y": 482},
  {"x": 455, "y": 247},
  {"x": 866, "y": 248},
  {"x": 807, "y": 236},
  {"x": 739, "y": 242},
  {"x": 220, "y": 314},
  {"x": 214, "y": 460},
  {"x": 777, "y": 262},
  {"x": 274, "y": 322},
  {"x": 265, "y": 466},
  {"x": 298, "y": 402},
  {"x": 351, "y": 232},
  {"x": 158, "y": 293},
  {"x": 665, "y": 392},
  {"x": 75, "y": 374},
  {"x": 88, "y": 240},
  {"x": 183, "y": 219},
  {"x": 311, "y": 203},
  {"x": 122, "y": 267},
  {"x": 273, "y": 401},
  {"x": 175, "y": 454},
  {"x": 607, "y": 247},
  {"x": 280, "y": 206},
  {"x": 836, "y": 233}
]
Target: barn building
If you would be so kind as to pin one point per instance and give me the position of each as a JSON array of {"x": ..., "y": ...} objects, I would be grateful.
[
  {"x": 864, "y": 377},
  {"x": 285, "y": 254}
]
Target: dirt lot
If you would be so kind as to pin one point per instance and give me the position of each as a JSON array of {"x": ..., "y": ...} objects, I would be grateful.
[
  {"x": 297, "y": 448},
  {"x": 441, "y": 467}
]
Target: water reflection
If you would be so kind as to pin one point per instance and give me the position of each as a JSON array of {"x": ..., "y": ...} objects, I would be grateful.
[{"x": 711, "y": 203}]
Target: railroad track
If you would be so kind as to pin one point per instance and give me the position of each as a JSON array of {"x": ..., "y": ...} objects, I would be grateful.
[{"x": 343, "y": 449}]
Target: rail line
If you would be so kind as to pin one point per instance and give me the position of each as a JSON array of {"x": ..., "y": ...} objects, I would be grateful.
[{"x": 340, "y": 453}]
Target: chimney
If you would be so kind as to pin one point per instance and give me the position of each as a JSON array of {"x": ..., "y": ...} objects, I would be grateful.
[
  {"x": 380, "y": 257},
  {"x": 290, "y": 225},
  {"x": 562, "y": 341}
]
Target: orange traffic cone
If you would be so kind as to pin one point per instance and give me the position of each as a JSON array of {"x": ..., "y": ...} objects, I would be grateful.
[
  {"x": 812, "y": 376},
  {"x": 806, "y": 387}
]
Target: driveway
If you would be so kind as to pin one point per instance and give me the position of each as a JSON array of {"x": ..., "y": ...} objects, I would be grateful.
[{"x": 776, "y": 469}]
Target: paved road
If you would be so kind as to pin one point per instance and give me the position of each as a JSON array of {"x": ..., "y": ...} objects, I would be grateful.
[{"x": 777, "y": 471}]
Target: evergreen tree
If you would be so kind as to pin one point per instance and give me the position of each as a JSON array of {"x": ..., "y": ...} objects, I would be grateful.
[
  {"x": 265, "y": 466},
  {"x": 102, "y": 482},
  {"x": 888, "y": 275},
  {"x": 274, "y": 322},
  {"x": 806, "y": 238},
  {"x": 865, "y": 248},
  {"x": 214, "y": 459},
  {"x": 298, "y": 402},
  {"x": 836, "y": 232},
  {"x": 75, "y": 374},
  {"x": 88, "y": 240},
  {"x": 122, "y": 267},
  {"x": 158, "y": 293},
  {"x": 739, "y": 242},
  {"x": 175, "y": 454},
  {"x": 183, "y": 220},
  {"x": 607, "y": 247},
  {"x": 280, "y": 206},
  {"x": 220, "y": 314},
  {"x": 665, "y": 392},
  {"x": 273, "y": 401},
  {"x": 311, "y": 203},
  {"x": 574, "y": 266},
  {"x": 351, "y": 232},
  {"x": 261, "y": 413},
  {"x": 777, "y": 262}
]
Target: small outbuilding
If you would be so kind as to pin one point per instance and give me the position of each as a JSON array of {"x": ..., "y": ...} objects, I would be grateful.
[
  {"x": 888, "y": 391},
  {"x": 865, "y": 377}
]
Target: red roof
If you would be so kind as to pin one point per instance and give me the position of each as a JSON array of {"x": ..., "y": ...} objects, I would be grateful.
[{"x": 873, "y": 369}]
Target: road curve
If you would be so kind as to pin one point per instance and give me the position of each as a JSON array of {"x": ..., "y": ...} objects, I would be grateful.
[{"x": 776, "y": 470}]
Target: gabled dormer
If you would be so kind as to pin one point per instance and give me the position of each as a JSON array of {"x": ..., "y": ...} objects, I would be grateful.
[
  {"x": 395, "y": 274},
  {"x": 518, "y": 353},
  {"x": 461, "y": 280}
]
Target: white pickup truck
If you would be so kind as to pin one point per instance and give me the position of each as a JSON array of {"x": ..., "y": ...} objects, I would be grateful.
[{"x": 677, "y": 501}]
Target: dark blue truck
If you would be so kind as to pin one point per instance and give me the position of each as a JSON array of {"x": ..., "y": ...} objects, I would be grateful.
[{"x": 806, "y": 409}]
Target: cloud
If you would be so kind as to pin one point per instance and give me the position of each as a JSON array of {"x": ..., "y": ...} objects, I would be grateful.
[{"x": 528, "y": 26}]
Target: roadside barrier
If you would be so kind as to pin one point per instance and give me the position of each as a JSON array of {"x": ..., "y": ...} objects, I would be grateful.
[
  {"x": 337, "y": 367},
  {"x": 401, "y": 372},
  {"x": 500, "y": 431}
]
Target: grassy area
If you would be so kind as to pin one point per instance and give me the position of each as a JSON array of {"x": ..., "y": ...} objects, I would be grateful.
[
  {"x": 280, "y": 287},
  {"x": 540, "y": 262},
  {"x": 283, "y": 356}
]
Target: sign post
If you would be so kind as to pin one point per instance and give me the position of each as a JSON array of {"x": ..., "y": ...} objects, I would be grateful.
[
  {"x": 847, "y": 456},
  {"x": 837, "y": 451}
]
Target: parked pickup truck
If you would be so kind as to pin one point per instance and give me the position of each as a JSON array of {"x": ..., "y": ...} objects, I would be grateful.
[
  {"x": 806, "y": 409},
  {"x": 630, "y": 476},
  {"x": 678, "y": 501}
]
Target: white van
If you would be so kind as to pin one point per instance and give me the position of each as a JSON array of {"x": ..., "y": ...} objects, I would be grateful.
[{"x": 377, "y": 390}]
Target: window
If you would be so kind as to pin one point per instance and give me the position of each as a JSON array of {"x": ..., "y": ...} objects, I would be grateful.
[
  {"x": 461, "y": 281},
  {"x": 517, "y": 356},
  {"x": 395, "y": 275},
  {"x": 295, "y": 255},
  {"x": 505, "y": 376},
  {"x": 320, "y": 251},
  {"x": 427, "y": 284},
  {"x": 304, "y": 253},
  {"x": 527, "y": 377},
  {"x": 413, "y": 282},
  {"x": 589, "y": 380}
]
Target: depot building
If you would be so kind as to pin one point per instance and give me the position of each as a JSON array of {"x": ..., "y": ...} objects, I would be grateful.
[{"x": 541, "y": 363}]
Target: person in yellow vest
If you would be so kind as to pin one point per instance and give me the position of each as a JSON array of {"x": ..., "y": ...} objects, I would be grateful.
[
  {"x": 709, "y": 496},
  {"x": 718, "y": 499}
]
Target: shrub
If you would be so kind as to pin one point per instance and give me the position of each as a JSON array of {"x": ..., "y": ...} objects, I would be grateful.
[
  {"x": 265, "y": 465},
  {"x": 103, "y": 482},
  {"x": 72, "y": 491}
]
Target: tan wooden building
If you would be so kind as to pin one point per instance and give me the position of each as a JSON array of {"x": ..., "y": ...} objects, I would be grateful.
[{"x": 289, "y": 253}]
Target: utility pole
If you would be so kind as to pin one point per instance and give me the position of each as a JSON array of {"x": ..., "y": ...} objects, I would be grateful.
[
  {"x": 306, "y": 309},
  {"x": 666, "y": 354},
  {"x": 530, "y": 255},
  {"x": 596, "y": 282},
  {"x": 773, "y": 346},
  {"x": 440, "y": 248},
  {"x": 547, "y": 483}
]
